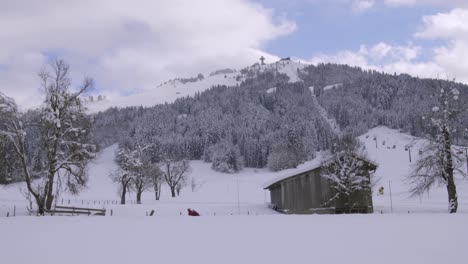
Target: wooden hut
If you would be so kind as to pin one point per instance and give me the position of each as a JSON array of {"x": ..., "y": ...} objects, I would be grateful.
[{"x": 306, "y": 192}]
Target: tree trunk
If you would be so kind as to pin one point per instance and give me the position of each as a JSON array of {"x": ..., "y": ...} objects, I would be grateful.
[
  {"x": 448, "y": 170},
  {"x": 349, "y": 206},
  {"x": 138, "y": 196},
  {"x": 123, "y": 194},
  {"x": 21, "y": 153},
  {"x": 452, "y": 193},
  {"x": 157, "y": 192},
  {"x": 173, "y": 192},
  {"x": 49, "y": 194}
]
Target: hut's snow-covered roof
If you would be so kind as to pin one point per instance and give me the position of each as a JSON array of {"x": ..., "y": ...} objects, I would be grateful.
[
  {"x": 284, "y": 174},
  {"x": 305, "y": 167}
]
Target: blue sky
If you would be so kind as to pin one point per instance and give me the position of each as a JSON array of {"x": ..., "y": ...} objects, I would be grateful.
[{"x": 328, "y": 27}]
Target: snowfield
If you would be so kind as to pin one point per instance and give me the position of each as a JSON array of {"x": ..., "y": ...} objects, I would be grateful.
[
  {"x": 392, "y": 239},
  {"x": 236, "y": 225}
]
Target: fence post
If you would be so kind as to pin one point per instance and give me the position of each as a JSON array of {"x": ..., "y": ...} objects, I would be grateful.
[
  {"x": 391, "y": 200},
  {"x": 14, "y": 210}
]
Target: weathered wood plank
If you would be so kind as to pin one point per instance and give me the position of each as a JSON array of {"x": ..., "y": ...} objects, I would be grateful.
[
  {"x": 67, "y": 212},
  {"x": 80, "y": 208}
]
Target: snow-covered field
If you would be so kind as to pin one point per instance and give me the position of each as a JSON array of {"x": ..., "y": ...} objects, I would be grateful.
[
  {"x": 434, "y": 238},
  {"x": 236, "y": 225}
]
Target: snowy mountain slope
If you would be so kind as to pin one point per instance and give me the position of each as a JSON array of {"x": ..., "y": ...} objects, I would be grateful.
[
  {"x": 288, "y": 67},
  {"x": 166, "y": 92},
  {"x": 393, "y": 168},
  {"x": 170, "y": 90},
  {"x": 330, "y": 120}
]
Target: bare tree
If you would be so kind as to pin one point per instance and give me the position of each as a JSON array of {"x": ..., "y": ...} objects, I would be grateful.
[
  {"x": 181, "y": 185},
  {"x": 193, "y": 184},
  {"x": 64, "y": 128},
  {"x": 123, "y": 179},
  {"x": 437, "y": 165},
  {"x": 141, "y": 182},
  {"x": 155, "y": 175},
  {"x": 174, "y": 172}
]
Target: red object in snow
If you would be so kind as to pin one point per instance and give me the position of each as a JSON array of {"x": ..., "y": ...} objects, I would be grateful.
[{"x": 192, "y": 212}]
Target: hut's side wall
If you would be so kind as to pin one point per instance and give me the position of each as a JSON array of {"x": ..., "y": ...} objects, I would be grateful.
[
  {"x": 303, "y": 194},
  {"x": 275, "y": 193}
]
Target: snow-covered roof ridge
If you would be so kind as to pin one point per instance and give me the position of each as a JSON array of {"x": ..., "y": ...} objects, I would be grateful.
[
  {"x": 288, "y": 173},
  {"x": 309, "y": 166}
]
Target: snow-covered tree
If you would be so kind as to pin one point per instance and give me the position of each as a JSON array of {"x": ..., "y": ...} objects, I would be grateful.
[
  {"x": 12, "y": 130},
  {"x": 66, "y": 129},
  {"x": 226, "y": 157},
  {"x": 287, "y": 152},
  {"x": 10, "y": 167},
  {"x": 141, "y": 178},
  {"x": 439, "y": 162},
  {"x": 63, "y": 137},
  {"x": 348, "y": 172},
  {"x": 133, "y": 170},
  {"x": 281, "y": 157},
  {"x": 123, "y": 179}
]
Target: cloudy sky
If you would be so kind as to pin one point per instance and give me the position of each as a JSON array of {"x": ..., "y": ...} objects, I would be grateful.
[{"x": 130, "y": 46}]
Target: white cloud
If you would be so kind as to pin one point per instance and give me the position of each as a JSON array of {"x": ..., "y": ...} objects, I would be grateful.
[
  {"x": 128, "y": 45},
  {"x": 387, "y": 58},
  {"x": 451, "y": 25},
  {"x": 362, "y": 5},
  {"x": 445, "y": 61},
  {"x": 450, "y": 3}
]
